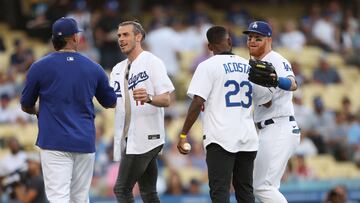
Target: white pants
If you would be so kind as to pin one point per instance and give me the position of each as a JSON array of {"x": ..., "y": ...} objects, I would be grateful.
[
  {"x": 67, "y": 175},
  {"x": 277, "y": 143}
]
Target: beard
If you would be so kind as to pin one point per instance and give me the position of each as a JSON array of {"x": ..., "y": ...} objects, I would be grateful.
[
  {"x": 129, "y": 50},
  {"x": 257, "y": 51}
]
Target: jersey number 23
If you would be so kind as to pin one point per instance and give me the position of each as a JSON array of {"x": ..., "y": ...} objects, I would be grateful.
[{"x": 235, "y": 93}]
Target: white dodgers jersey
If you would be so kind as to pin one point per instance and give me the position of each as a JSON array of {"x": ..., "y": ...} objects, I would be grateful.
[
  {"x": 146, "y": 130},
  {"x": 222, "y": 81},
  {"x": 282, "y": 100}
]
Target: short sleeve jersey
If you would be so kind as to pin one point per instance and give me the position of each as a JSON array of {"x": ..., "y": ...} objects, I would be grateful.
[
  {"x": 146, "y": 130},
  {"x": 282, "y": 100},
  {"x": 222, "y": 81}
]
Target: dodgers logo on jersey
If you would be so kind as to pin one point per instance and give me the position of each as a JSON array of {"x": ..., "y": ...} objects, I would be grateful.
[
  {"x": 135, "y": 79},
  {"x": 287, "y": 67}
]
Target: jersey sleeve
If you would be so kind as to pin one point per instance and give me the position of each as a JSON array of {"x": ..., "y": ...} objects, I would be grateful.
[
  {"x": 283, "y": 68},
  {"x": 31, "y": 90},
  {"x": 104, "y": 92},
  {"x": 159, "y": 78},
  {"x": 201, "y": 83},
  {"x": 261, "y": 95}
]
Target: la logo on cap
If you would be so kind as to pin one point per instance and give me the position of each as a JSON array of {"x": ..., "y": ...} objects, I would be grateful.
[{"x": 255, "y": 25}]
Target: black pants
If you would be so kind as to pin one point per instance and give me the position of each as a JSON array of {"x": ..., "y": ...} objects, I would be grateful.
[
  {"x": 222, "y": 165},
  {"x": 141, "y": 168}
]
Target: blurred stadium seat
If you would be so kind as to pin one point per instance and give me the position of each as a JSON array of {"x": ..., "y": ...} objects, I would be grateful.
[
  {"x": 4, "y": 62},
  {"x": 309, "y": 56}
]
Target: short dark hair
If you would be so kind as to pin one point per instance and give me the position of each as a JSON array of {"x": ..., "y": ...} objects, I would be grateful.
[
  {"x": 58, "y": 42},
  {"x": 216, "y": 34},
  {"x": 137, "y": 27}
]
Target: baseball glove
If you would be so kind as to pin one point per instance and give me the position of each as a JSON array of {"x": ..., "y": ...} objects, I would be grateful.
[{"x": 262, "y": 73}]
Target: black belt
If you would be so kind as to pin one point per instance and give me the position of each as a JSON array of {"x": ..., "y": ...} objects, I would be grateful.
[{"x": 271, "y": 121}]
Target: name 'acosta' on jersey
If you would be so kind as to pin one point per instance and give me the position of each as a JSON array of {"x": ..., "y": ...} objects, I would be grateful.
[{"x": 236, "y": 67}]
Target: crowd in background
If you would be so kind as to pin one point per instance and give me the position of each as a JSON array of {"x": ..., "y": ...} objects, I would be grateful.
[{"x": 173, "y": 28}]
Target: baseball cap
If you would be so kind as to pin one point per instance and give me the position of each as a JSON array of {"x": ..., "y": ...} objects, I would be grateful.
[
  {"x": 64, "y": 27},
  {"x": 260, "y": 27}
]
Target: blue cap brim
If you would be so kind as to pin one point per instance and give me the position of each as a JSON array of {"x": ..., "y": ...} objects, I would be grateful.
[
  {"x": 79, "y": 30},
  {"x": 253, "y": 31}
]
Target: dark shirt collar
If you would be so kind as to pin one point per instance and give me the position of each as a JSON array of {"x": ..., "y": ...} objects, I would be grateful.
[{"x": 226, "y": 53}]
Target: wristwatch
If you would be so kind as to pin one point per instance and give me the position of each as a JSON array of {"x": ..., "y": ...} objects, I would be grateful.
[{"x": 150, "y": 99}]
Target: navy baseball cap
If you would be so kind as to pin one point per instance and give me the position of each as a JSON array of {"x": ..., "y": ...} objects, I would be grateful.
[
  {"x": 64, "y": 27},
  {"x": 260, "y": 27}
]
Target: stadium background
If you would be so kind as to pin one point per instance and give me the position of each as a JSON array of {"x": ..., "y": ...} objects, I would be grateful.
[{"x": 320, "y": 38}]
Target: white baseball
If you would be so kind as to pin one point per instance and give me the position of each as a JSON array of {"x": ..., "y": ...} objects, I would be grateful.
[{"x": 187, "y": 146}]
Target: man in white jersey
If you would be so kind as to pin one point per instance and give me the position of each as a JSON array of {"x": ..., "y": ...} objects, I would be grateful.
[
  {"x": 143, "y": 88},
  {"x": 220, "y": 87},
  {"x": 279, "y": 134}
]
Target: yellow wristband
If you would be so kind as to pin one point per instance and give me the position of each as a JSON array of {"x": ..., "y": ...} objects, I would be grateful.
[{"x": 182, "y": 136}]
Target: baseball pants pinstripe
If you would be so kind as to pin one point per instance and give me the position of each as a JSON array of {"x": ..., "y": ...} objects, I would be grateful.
[
  {"x": 67, "y": 175},
  {"x": 141, "y": 168}
]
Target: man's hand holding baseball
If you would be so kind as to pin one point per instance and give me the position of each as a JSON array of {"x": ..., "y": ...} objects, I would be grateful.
[{"x": 183, "y": 146}]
